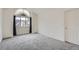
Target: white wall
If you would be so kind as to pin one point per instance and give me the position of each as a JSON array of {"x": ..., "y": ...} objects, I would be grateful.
[
  {"x": 7, "y": 23},
  {"x": 0, "y": 25},
  {"x": 34, "y": 23},
  {"x": 51, "y": 23}
]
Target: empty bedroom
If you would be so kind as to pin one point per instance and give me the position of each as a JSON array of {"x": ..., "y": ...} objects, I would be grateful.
[{"x": 39, "y": 29}]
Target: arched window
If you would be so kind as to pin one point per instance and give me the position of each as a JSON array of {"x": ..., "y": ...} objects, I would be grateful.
[
  {"x": 22, "y": 18},
  {"x": 22, "y": 21}
]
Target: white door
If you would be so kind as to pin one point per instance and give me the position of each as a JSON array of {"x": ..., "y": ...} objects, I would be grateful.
[{"x": 72, "y": 26}]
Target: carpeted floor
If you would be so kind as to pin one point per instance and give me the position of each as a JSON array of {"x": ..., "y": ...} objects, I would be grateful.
[{"x": 35, "y": 42}]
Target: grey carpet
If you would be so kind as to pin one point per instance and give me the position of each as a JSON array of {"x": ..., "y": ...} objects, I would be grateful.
[{"x": 35, "y": 42}]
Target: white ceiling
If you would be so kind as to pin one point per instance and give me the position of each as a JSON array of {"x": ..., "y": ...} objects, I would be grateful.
[{"x": 39, "y": 10}]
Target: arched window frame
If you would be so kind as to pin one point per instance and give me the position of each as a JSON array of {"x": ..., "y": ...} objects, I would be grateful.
[{"x": 20, "y": 14}]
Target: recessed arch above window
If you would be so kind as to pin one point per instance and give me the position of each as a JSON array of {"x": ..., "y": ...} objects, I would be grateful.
[{"x": 22, "y": 12}]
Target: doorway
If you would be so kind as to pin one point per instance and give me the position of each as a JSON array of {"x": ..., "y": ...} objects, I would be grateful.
[{"x": 72, "y": 26}]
